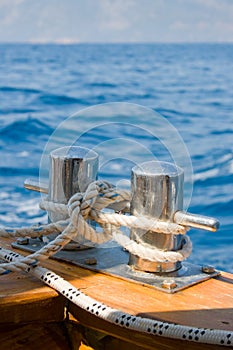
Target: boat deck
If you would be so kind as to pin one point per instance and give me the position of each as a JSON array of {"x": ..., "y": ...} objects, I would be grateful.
[{"x": 32, "y": 314}]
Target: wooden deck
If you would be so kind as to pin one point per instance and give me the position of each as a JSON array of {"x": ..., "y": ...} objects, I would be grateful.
[{"x": 27, "y": 306}]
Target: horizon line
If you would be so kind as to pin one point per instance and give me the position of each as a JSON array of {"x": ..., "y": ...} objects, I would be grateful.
[{"x": 61, "y": 42}]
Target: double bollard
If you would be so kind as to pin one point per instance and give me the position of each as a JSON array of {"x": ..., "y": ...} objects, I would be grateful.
[{"x": 157, "y": 192}]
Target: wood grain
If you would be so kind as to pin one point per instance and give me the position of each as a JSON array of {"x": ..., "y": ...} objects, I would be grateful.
[{"x": 208, "y": 304}]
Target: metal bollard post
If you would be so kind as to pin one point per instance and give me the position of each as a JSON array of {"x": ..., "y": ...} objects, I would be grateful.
[
  {"x": 71, "y": 171},
  {"x": 157, "y": 192}
]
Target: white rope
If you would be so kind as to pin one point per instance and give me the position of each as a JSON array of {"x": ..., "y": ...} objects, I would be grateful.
[
  {"x": 76, "y": 225},
  {"x": 80, "y": 207},
  {"x": 34, "y": 231},
  {"x": 120, "y": 318},
  {"x": 153, "y": 254},
  {"x": 115, "y": 219},
  {"x": 88, "y": 205},
  {"x": 141, "y": 222}
]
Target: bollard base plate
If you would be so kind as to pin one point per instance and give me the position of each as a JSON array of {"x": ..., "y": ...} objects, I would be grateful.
[{"x": 113, "y": 260}]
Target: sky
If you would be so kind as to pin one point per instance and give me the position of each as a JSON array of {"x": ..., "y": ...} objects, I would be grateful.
[{"x": 81, "y": 21}]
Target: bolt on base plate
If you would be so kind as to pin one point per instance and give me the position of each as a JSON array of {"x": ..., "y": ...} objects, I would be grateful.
[{"x": 114, "y": 261}]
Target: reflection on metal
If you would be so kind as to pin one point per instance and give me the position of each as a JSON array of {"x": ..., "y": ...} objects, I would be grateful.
[
  {"x": 37, "y": 186},
  {"x": 157, "y": 192},
  {"x": 114, "y": 262},
  {"x": 197, "y": 221},
  {"x": 71, "y": 171}
]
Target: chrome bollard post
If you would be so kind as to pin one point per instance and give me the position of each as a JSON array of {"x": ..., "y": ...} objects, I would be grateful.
[
  {"x": 71, "y": 170},
  {"x": 157, "y": 192}
]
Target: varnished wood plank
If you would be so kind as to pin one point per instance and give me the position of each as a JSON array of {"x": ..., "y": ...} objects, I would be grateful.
[
  {"x": 32, "y": 311},
  {"x": 145, "y": 341},
  {"x": 25, "y": 299},
  {"x": 208, "y": 304}
]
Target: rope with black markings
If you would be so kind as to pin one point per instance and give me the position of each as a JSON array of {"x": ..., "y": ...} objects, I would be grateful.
[
  {"x": 89, "y": 205},
  {"x": 120, "y": 318}
]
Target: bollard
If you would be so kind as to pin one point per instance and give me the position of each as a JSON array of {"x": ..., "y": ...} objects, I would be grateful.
[
  {"x": 71, "y": 170},
  {"x": 157, "y": 192}
]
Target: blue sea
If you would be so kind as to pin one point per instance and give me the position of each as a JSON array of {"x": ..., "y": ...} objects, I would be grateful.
[{"x": 188, "y": 86}]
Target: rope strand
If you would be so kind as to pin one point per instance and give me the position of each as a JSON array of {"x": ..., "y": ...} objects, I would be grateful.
[
  {"x": 120, "y": 318},
  {"x": 83, "y": 206},
  {"x": 88, "y": 206}
]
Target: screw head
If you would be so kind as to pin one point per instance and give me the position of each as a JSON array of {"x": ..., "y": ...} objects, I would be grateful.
[
  {"x": 169, "y": 284},
  {"x": 208, "y": 269},
  {"x": 22, "y": 240},
  {"x": 90, "y": 261}
]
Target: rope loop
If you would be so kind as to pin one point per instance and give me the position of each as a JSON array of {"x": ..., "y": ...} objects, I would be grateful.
[
  {"x": 80, "y": 208},
  {"x": 88, "y": 206}
]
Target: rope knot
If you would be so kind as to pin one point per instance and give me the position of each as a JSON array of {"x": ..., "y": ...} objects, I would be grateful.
[
  {"x": 83, "y": 203},
  {"x": 83, "y": 207}
]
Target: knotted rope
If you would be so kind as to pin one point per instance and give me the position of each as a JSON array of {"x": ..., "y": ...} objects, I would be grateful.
[
  {"x": 85, "y": 206},
  {"x": 99, "y": 195}
]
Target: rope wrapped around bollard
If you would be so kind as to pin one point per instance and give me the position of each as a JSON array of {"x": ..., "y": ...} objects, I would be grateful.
[{"x": 100, "y": 195}]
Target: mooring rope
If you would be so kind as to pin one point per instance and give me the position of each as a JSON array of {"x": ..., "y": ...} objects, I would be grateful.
[
  {"x": 34, "y": 231},
  {"x": 115, "y": 219},
  {"x": 81, "y": 207},
  {"x": 120, "y": 318},
  {"x": 149, "y": 253}
]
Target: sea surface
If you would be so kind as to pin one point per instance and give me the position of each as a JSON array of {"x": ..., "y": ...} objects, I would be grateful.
[{"x": 190, "y": 88}]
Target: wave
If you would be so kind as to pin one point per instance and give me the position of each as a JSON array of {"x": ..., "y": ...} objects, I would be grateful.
[
  {"x": 18, "y": 89},
  {"x": 24, "y": 129},
  {"x": 43, "y": 96},
  {"x": 221, "y": 132},
  {"x": 206, "y": 175},
  {"x": 52, "y": 99},
  {"x": 216, "y": 167},
  {"x": 11, "y": 111},
  {"x": 20, "y": 171},
  {"x": 21, "y": 213},
  {"x": 218, "y": 209},
  {"x": 101, "y": 85},
  {"x": 212, "y": 178},
  {"x": 187, "y": 117}
]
